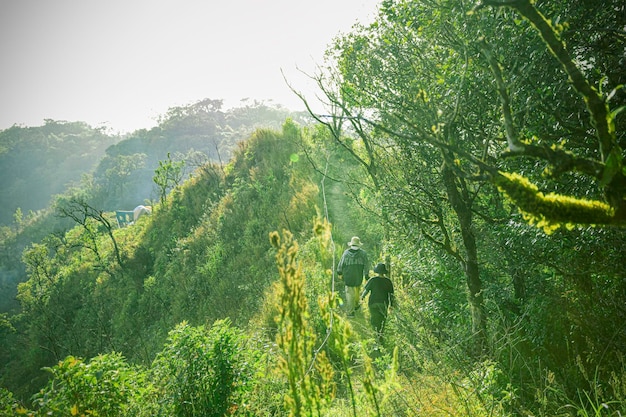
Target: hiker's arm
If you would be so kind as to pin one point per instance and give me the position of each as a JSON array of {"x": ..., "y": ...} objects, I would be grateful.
[{"x": 366, "y": 290}]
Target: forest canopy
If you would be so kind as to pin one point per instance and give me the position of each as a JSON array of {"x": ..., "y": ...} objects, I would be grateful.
[{"x": 505, "y": 94}]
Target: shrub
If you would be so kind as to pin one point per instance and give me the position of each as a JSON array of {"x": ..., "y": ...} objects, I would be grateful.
[
  {"x": 204, "y": 373},
  {"x": 103, "y": 387}
]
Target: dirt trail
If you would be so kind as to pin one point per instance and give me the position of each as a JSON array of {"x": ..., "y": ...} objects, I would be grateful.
[{"x": 337, "y": 204}]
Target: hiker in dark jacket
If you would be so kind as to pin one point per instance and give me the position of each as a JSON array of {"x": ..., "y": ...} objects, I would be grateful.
[
  {"x": 353, "y": 267},
  {"x": 381, "y": 293}
]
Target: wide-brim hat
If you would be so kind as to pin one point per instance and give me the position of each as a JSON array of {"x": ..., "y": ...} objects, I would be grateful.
[
  {"x": 380, "y": 268},
  {"x": 355, "y": 241}
]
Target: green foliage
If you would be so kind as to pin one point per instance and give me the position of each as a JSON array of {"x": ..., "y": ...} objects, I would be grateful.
[
  {"x": 114, "y": 173},
  {"x": 308, "y": 373},
  {"x": 118, "y": 179},
  {"x": 209, "y": 258},
  {"x": 416, "y": 89},
  {"x": 204, "y": 373},
  {"x": 9, "y": 406},
  {"x": 103, "y": 387},
  {"x": 167, "y": 176}
]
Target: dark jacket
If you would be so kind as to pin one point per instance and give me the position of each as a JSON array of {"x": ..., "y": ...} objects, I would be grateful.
[
  {"x": 381, "y": 291},
  {"x": 353, "y": 266}
]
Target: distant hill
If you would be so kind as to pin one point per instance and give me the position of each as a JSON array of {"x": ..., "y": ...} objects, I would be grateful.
[
  {"x": 38, "y": 162},
  {"x": 194, "y": 134}
]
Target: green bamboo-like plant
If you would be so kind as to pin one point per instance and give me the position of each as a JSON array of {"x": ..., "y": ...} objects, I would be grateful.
[{"x": 309, "y": 373}]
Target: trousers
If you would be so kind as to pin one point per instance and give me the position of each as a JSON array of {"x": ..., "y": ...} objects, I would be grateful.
[
  {"x": 352, "y": 299},
  {"x": 378, "y": 316}
]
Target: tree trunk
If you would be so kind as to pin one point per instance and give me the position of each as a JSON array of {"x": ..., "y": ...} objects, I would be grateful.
[{"x": 463, "y": 211}]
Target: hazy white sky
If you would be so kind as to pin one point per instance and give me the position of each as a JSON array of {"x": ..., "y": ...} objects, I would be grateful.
[{"x": 122, "y": 63}]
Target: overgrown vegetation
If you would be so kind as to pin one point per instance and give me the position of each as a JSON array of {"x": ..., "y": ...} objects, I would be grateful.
[{"x": 225, "y": 300}]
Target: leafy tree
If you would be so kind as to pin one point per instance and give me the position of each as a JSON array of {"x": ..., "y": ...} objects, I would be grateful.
[
  {"x": 120, "y": 174},
  {"x": 605, "y": 168},
  {"x": 416, "y": 87},
  {"x": 34, "y": 296},
  {"x": 90, "y": 218},
  {"x": 43, "y": 160},
  {"x": 458, "y": 46},
  {"x": 376, "y": 71},
  {"x": 435, "y": 89},
  {"x": 167, "y": 176}
]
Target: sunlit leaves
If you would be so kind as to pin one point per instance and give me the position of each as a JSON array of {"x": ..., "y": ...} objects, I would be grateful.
[{"x": 104, "y": 386}]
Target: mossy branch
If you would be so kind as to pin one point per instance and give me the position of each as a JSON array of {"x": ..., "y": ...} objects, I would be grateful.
[
  {"x": 552, "y": 210},
  {"x": 561, "y": 160}
]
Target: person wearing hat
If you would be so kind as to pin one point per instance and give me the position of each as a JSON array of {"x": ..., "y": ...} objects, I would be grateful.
[
  {"x": 353, "y": 267},
  {"x": 381, "y": 293}
]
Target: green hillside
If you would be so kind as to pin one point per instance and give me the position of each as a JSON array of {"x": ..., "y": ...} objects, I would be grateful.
[
  {"x": 45, "y": 162},
  {"x": 39, "y": 162}
]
